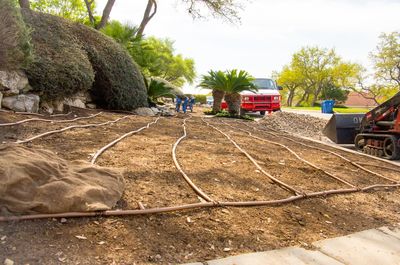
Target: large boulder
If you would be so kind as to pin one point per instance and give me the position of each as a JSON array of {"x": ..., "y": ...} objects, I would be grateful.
[
  {"x": 22, "y": 103},
  {"x": 70, "y": 58},
  {"x": 12, "y": 82}
]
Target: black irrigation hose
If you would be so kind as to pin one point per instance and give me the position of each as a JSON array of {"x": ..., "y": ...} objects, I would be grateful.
[
  {"x": 329, "y": 151},
  {"x": 47, "y": 120},
  {"x": 142, "y": 211},
  {"x": 69, "y": 128},
  {"x": 280, "y": 183},
  {"x": 270, "y": 203},
  {"x": 177, "y": 165},
  {"x": 295, "y": 154},
  {"x": 104, "y": 148}
]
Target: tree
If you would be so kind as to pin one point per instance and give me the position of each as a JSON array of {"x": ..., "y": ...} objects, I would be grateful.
[
  {"x": 124, "y": 34},
  {"x": 159, "y": 87},
  {"x": 157, "y": 59},
  {"x": 74, "y": 9},
  {"x": 291, "y": 79},
  {"x": 236, "y": 82},
  {"x": 315, "y": 65},
  {"x": 215, "y": 80},
  {"x": 226, "y": 9},
  {"x": 313, "y": 70},
  {"x": 24, "y": 4},
  {"x": 386, "y": 59},
  {"x": 106, "y": 14},
  {"x": 150, "y": 11},
  {"x": 230, "y": 83}
]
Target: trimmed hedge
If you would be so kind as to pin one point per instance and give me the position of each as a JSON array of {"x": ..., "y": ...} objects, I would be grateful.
[
  {"x": 71, "y": 58},
  {"x": 15, "y": 47}
]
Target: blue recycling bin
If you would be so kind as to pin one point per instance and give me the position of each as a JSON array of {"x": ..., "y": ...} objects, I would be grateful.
[{"x": 327, "y": 106}]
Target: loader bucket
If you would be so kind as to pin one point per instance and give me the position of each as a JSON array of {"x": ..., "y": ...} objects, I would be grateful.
[{"x": 342, "y": 128}]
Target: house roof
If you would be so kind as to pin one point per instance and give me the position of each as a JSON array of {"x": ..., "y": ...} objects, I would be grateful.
[{"x": 355, "y": 99}]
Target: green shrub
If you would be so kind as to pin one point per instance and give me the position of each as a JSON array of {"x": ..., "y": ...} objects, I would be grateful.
[
  {"x": 201, "y": 99},
  {"x": 118, "y": 82},
  {"x": 225, "y": 114},
  {"x": 70, "y": 58},
  {"x": 15, "y": 47}
]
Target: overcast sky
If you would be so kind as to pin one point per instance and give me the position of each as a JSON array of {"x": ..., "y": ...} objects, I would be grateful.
[{"x": 270, "y": 31}]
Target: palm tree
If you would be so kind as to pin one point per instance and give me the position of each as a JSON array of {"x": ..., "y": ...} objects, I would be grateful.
[
  {"x": 236, "y": 82},
  {"x": 215, "y": 80},
  {"x": 158, "y": 87}
]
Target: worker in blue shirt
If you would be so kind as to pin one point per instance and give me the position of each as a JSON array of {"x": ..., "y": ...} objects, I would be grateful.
[
  {"x": 191, "y": 103},
  {"x": 185, "y": 104},
  {"x": 178, "y": 103}
]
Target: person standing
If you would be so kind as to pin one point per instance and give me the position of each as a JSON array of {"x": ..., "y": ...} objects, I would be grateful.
[
  {"x": 191, "y": 103},
  {"x": 178, "y": 103},
  {"x": 185, "y": 104}
]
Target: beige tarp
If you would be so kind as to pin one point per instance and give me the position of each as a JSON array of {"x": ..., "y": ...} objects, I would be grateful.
[{"x": 38, "y": 181}]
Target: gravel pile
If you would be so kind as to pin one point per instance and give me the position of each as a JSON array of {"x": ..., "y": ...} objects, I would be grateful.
[{"x": 294, "y": 123}]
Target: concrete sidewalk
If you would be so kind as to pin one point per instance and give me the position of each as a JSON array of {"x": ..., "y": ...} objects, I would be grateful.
[{"x": 375, "y": 246}]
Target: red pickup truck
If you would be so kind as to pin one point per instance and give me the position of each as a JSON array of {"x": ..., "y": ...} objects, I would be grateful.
[{"x": 267, "y": 99}]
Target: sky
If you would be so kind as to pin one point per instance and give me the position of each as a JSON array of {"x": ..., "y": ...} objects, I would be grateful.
[{"x": 269, "y": 33}]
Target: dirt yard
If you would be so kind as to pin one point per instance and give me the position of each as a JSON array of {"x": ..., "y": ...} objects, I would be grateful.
[{"x": 219, "y": 169}]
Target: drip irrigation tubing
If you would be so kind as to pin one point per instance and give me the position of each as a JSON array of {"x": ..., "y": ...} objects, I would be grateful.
[
  {"x": 47, "y": 120},
  {"x": 104, "y": 148},
  {"x": 177, "y": 165},
  {"x": 277, "y": 181},
  {"x": 379, "y": 166},
  {"x": 329, "y": 151},
  {"x": 69, "y": 128},
  {"x": 140, "y": 211},
  {"x": 295, "y": 154}
]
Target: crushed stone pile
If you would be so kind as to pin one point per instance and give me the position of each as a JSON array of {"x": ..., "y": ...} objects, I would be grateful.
[
  {"x": 294, "y": 123},
  {"x": 38, "y": 181}
]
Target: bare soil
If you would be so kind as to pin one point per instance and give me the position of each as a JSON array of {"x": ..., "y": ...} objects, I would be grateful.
[{"x": 219, "y": 169}]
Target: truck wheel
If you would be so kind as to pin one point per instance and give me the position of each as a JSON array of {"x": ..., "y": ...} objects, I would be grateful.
[
  {"x": 242, "y": 112},
  {"x": 262, "y": 112}
]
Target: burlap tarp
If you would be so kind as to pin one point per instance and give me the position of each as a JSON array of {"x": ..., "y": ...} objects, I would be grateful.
[{"x": 38, "y": 181}]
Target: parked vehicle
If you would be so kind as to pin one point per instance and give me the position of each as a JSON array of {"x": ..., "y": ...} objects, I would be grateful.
[
  {"x": 266, "y": 99},
  {"x": 209, "y": 100},
  {"x": 375, "y": 133}
]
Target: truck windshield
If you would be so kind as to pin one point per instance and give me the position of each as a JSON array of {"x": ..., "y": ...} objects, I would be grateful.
[{"x": 265, "y": 84}]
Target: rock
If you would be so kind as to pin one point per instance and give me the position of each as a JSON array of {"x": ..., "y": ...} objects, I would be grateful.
[
  {"x": 47, "y": 107},
  {"x": 22, "y": 103},
  {"x": 52, "y": 106},
  {"x": 155, "y": 110},
  {"x": 166, "y": 111},
  {"x": 58, "y": 105},
  {"x": 295, "y": 123},
  {"x": 12, "y": 82},
  {"x": 63, "y": 220},
  {"x": 144, "y": 112},
  {"x": 75, "y": 102},
  {"x": 8, "y": 262},
  {"x": 91, "y": 106}
]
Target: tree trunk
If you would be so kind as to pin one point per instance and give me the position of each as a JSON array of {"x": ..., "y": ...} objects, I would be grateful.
[
  {"x": 316, "y": 94},
  {"x": 289, "y": 101},
  {"x": 147, "y": 16},
  {"x": 218, "y": 95},
  {"x": 24, "y": 4},
  {"x": 303, "y": 98},
  {"x": 106, "y": 14},
  {"x": 90, "y": 13},
  {"x": 234, "y": 101}
]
